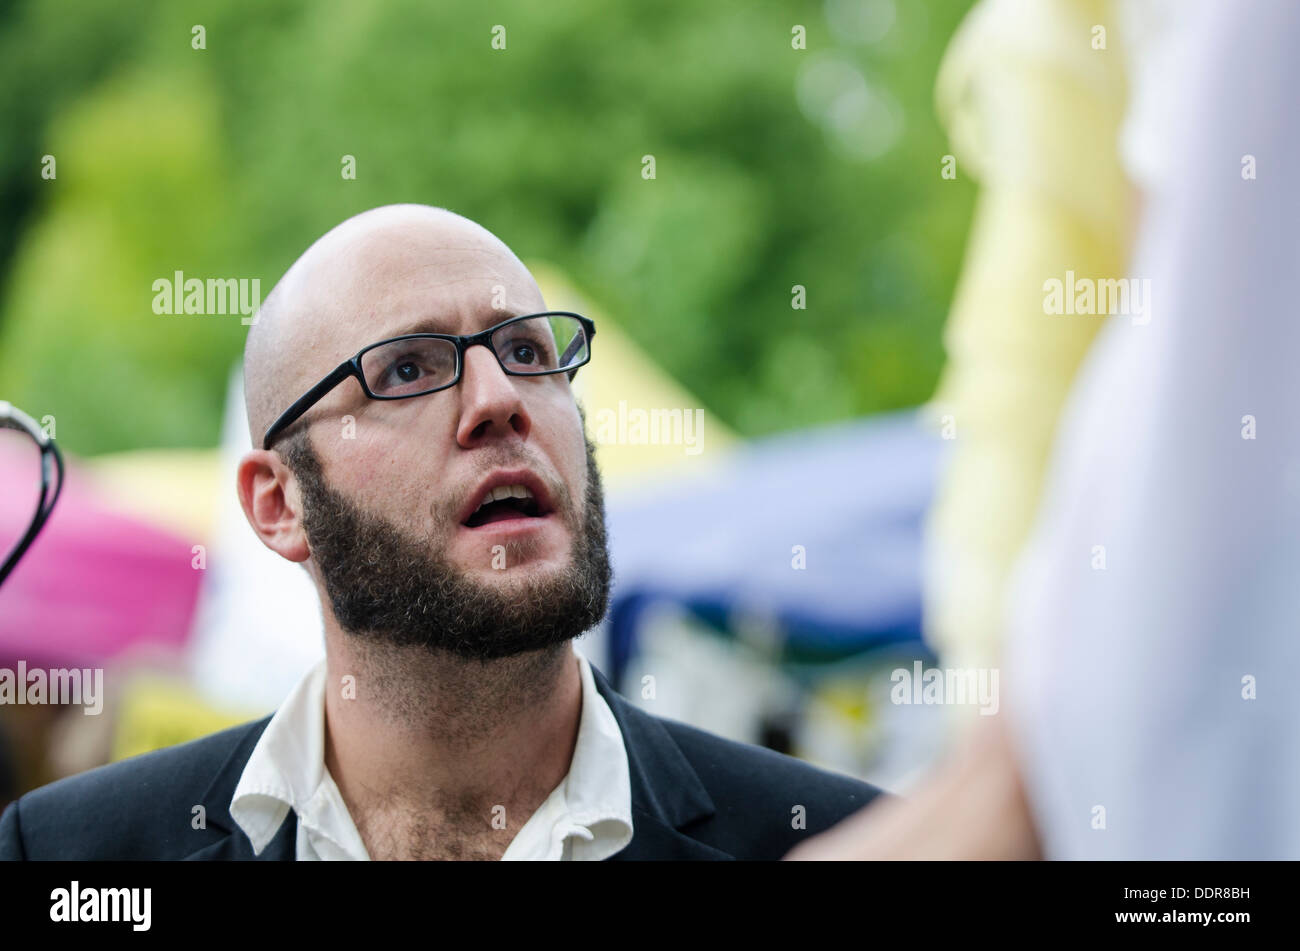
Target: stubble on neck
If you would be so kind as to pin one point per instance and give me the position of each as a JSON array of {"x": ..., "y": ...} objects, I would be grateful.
[
  {"x": 433, "y": 745},
  {"x": 452, "y": 700}
]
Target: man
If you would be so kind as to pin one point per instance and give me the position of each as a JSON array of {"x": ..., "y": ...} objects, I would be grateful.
[{"x": 443, "y": 497}]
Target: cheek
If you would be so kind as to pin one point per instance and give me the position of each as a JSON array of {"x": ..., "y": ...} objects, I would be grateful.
[
  {"x": 397, "y": 482},
  {"x": 567, "y": 446}
]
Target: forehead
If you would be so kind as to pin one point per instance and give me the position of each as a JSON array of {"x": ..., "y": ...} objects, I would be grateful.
[{"x": 418, "y": 277}]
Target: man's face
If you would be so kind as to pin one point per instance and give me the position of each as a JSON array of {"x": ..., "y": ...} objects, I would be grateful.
[
  {"x": 386, "y": 583},
  {"x": 392, "y": 491}
]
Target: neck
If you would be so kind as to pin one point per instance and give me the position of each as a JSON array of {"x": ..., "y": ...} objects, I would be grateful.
[{"x": 434, "y": 741}]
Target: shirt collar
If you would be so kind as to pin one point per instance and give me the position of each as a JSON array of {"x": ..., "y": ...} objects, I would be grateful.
[
  {"x": 593, "y": 804},
  {"x": 598, "y": 787},
  {"x": 588, "y": 816},
  {"x": 287, "y": 771}
]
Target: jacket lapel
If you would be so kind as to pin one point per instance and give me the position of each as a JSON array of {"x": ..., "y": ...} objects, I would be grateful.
[
  {"x": 667, "y": 794},
  {"x": 227, "y": 841}
]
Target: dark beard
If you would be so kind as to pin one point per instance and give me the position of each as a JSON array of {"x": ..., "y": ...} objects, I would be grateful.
[{"x": 387, "y": 586}]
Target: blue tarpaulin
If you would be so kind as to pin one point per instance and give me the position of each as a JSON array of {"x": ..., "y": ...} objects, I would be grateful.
[{"x": 817, "y": 531}]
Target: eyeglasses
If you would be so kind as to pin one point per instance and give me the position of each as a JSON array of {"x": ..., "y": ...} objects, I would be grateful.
[{"x": 418, "y": 364}]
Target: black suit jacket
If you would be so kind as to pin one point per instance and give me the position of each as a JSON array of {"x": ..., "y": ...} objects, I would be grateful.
[{"x": 694, "y": 796}]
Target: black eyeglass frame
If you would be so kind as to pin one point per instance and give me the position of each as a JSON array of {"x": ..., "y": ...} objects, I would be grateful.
[{"x": 352, "y": 367}]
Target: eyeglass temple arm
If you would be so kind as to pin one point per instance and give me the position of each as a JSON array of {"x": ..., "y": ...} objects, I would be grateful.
[
  {"x": 308, "y": 400},
  {"x": 576, "y": 344},
  {"x": 573, "y": 348}
]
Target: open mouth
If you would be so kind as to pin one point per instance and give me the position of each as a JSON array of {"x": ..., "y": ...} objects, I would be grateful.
[{"x": 504, "y": 503}]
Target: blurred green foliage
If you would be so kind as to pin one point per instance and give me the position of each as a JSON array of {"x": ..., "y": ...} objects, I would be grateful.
[{"x": 774, "y": 167}]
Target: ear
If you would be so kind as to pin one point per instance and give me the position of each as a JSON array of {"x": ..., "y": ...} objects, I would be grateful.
[{"x": 268, "y": 494}]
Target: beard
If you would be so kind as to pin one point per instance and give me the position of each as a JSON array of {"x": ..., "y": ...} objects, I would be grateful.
[{"x": 388, "y": 587}]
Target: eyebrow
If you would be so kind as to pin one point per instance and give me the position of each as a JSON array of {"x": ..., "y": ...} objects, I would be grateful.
[{"x": 437, "y": 325}]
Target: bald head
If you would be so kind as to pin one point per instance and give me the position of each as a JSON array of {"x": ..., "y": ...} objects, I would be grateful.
[
  {"x": 394, "y": 505},
  {"x": 391, "y": 270}
]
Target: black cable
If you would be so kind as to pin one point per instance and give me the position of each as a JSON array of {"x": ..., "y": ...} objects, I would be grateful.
[{"x": 11, "y": 417}]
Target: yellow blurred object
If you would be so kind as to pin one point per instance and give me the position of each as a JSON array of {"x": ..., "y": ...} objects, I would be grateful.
[
  {"x": 641, "y": 420},
  {"x": 1034, "y": 111},
  {"x": 158, "y": 711},
  {"x": 175, "y": 489}
]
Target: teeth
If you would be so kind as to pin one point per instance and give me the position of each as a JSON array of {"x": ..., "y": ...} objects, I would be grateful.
[{"x": 506, "y": 492}]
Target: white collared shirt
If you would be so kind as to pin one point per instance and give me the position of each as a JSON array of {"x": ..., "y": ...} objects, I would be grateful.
[{"x": 587, "y": 817}]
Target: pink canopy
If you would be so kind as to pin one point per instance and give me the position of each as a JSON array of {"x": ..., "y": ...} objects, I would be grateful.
[{"x": 94, "y": 582}]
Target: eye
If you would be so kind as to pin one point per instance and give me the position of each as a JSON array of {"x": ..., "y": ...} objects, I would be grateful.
[
  {"x": 403, "y": 371},
  {"x": 527, "y": 350},
  {"x": 409, "y": 366},
  {"x": 414, "y": 371}
]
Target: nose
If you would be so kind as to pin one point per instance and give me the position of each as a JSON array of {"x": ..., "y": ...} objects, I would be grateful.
[{"x": 490, "y": 407}]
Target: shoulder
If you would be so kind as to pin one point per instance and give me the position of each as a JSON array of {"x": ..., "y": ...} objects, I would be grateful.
[
  {"x": 764, "y": 775},
  {"x": 124, "y": 809},
  {"x": 764, "y": 803},
  {"x": 741, "y": 800}
]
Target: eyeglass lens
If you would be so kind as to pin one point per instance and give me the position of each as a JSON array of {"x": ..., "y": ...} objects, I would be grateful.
[{"x": 415, "y": 365}]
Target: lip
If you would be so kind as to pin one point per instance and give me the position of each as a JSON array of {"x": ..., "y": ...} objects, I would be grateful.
[
  {"x": 500, "y": 477},
  {"x": 510, "y": 527}
]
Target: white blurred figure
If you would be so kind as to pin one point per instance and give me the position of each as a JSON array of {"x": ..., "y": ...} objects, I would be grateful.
[
  {"x": 258, "y": 625},
  {"x": 1161, "y": 689},
  {"x": 1151, "y": 709}
]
